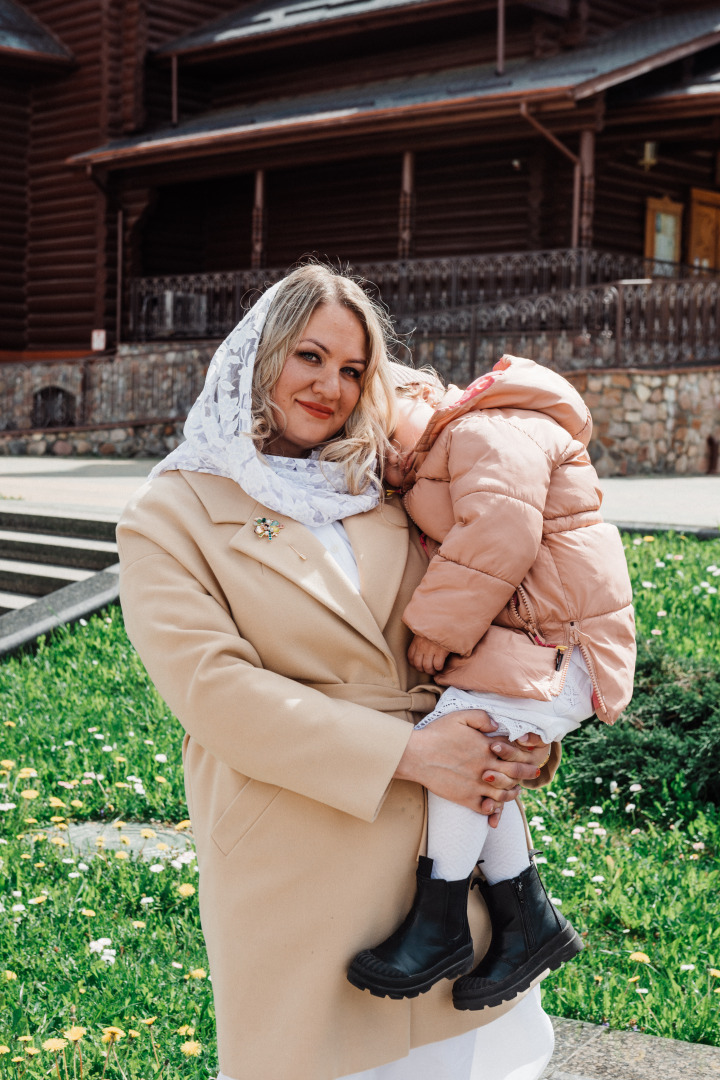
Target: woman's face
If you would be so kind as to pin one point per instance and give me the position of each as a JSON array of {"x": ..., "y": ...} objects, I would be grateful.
[{"x": 321, "y": 381}]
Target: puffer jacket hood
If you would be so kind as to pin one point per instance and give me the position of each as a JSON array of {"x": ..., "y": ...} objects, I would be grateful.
[{"x": 516, "y": 383}]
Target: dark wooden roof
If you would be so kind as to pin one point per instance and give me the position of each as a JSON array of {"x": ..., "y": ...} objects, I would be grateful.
[
  {"x": 263, "y": 19},
  {"x": 465, "y": 93},
  {"x": 23, "y": 38}
]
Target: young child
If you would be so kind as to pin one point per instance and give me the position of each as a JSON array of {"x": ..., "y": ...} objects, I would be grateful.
[{"x": 529, "y": 597}]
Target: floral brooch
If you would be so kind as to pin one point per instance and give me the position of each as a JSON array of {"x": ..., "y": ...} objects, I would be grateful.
[{"x": 268, "y": 529}]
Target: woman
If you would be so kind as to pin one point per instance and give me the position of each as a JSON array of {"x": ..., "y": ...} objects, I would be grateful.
[{"x": 263, "y": 584}]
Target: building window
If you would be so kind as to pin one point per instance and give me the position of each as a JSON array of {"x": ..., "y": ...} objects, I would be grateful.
[{"x": 53, "y": 407}]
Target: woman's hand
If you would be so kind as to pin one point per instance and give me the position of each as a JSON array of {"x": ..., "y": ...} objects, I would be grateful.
[
  {"x": 459, "y": 758},
  {"x": 426, "y": 655}
]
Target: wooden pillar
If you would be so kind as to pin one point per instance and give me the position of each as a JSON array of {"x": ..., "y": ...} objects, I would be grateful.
[
  {"x": 119, "y": 284},
  {"x": 500, "y": 60},
  {"x": 407, "y": 207},
  {"x": 174, "y": 90},
  {"x": 259, "y": 222},
  {"x": 587, "y": 186}
]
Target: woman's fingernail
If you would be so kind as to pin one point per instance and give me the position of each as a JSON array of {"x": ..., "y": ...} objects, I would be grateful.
[
  {"x": 490, "y": 778},
  {"x": 496, "y": 749}
]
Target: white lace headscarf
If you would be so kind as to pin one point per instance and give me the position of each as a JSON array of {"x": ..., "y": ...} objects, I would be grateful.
[{"x": 218, "y": 440}]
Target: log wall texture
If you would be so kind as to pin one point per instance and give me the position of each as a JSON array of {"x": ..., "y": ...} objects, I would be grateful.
[{"x": 14, "y": 125}]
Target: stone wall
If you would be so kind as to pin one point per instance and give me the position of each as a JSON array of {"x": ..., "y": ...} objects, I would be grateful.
[
  {"x": 645, "y": 421},
  {"x": 653, "y": 421}
]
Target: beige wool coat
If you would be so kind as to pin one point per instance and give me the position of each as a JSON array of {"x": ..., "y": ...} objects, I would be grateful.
[{"x": 297, "y": 702}]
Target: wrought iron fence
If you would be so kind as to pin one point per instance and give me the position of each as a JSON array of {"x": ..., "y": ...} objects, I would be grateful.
[
  {"x": 641, "y": 324},
  {"x": 209, "y": 305}
]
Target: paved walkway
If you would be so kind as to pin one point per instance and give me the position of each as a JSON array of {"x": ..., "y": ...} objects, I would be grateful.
[
  {"x": 91, "y": 485},
  {"x": 82, "y": 487}
]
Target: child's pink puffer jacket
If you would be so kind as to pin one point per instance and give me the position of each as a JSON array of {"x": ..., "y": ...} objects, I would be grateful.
[{"x": 502, "y": 480}]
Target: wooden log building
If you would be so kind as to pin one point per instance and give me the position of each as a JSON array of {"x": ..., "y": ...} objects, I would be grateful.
[{"x": 160, "y": 137}]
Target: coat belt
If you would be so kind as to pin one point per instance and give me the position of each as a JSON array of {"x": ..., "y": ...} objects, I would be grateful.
[{"x": 388, "y": 699}]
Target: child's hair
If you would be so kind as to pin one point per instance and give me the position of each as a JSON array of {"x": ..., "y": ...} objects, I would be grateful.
[{"x": 422, "y": 384}]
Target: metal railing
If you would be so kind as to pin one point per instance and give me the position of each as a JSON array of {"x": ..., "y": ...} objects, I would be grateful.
[
  {"x": 209, "y": 305},
  {"x": 637, "y": 323}
]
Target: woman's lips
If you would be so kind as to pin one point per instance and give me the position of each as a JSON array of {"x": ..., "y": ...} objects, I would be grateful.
[{"x": 321, "y": 412}]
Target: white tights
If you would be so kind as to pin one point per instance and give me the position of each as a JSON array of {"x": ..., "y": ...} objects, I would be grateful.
[{"x": 458, "y": 837}]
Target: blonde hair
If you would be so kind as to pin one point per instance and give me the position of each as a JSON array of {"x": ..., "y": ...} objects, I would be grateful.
[
  {"x": 421, "y": 384},
  {"x": 363, "y": 441}
]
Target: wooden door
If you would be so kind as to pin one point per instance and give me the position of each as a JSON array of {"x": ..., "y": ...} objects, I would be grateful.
[{"x": 704, "y": 238}]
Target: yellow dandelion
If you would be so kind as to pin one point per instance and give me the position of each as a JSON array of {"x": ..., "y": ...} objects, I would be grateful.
[
  {"x": 598, "y": 978},
  {"x": 24, "y": 856},
  {"x": 139, "y": 924},
  {"x": 17, "y": 1058},
  {"x": 31, "y": 1050},
  {"x": 25, "y": 1038},
  {"x": 37, "y": 900},
  {"x": 56, "y": 803},
  {"x": 54, "y": 1044},
  {"x": 58, "y": 841},
  {"x": 196, "y": 973},
  {"x": 112, "y": 1034},
  {"x": 119, "y": 824},
  {"x": 38, "y": 837},
  {"x": 31, "y": 821},
  {"x": 57, "y": 818},
  {"x": 61, "y": 825},
  {"x": 121, "y": 784},
  {"x": 125, "y": 840},
  {"x": 186, "y": 890},
  {"x": 649, "y": 539},
  {"x": 75, "y": 1033},
  {"x": 186, "y": 1029},
  {"x": 88, "y": 912},
  {"x": 183, "y": 825},
  {"x": 635, "y": 978},
  {"x": 7, "y": 763},
  {"x": 119, "y": 758},
  {"x": 641, "y": 957},
  {"x": 162, "y": 846},
  {"x": 39, "y": 865},
  {"x": 121, "y": 855},
  {"x": 133, "y": 1034},
  {"x": 4, "y": 1049},
  {"x": 9, "y": 975},
  {"x": 77, "y": 803},
  {"x": 160, "y": 780},
  {"x": 147, "y": 834},
  {"x": 99, "y": 841},
  {"x": 27, "y": 773},
  {"x": 149, "y": 1021},
  {"x": 9, "y": 723},
  {"x": 191, "y": 1048},
  {"x": 715, "y": 972},
  {"x": 29, "y": 793}
]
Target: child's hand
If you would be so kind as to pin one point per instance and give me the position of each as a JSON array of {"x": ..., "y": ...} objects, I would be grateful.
[{"x": 426, "y": 655}]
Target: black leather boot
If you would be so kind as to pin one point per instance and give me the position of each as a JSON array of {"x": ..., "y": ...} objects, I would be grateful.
[
  {"x": 432, "y": 943},
  {"x": 529, "y": 936}
]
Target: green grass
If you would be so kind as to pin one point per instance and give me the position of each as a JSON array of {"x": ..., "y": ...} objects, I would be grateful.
[{"x": 82, "y": 726}]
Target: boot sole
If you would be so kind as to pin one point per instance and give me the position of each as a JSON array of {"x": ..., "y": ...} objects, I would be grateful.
[
  {"x": 553, "y": 955},
  {"x": 411, "y": 986}
]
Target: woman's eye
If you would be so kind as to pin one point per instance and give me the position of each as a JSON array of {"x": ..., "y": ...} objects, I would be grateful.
[
  {"x": 354, "y": 373},
  {"x": 311, "y": 357}
]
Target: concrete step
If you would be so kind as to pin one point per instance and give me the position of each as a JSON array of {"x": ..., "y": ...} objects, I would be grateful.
[
  {"x": 14, "y": 602},
  {"x": 34, "y": 579},
  {"x": 56, "y": 550},
  {"x": 14, "y": 517}
]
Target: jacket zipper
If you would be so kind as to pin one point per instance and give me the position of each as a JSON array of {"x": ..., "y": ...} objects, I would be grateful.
[{"x": 575, "y": 640}]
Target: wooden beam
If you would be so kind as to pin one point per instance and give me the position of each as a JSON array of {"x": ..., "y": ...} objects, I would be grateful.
[
  {"x": 407, "y": 206},
  {"x": 587, "y": 192},
  {"x": 259, "y": 223},
  {"x": 500, "y": 63},
  {"x": 174, "y": 90}
]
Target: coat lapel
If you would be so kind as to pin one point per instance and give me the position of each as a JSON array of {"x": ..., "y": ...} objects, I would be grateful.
[{"x": 379, "y": 539}]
